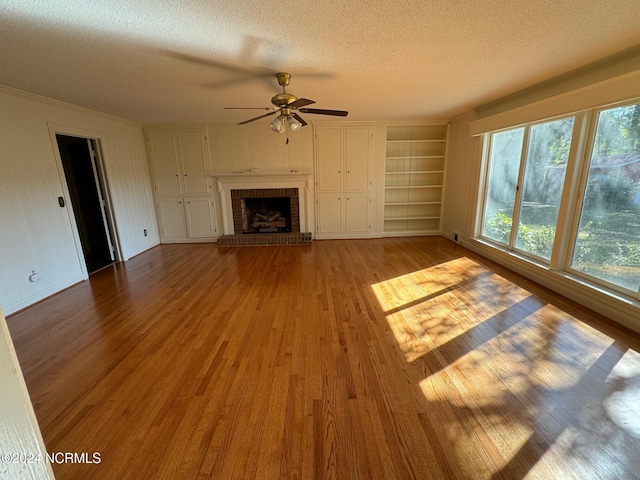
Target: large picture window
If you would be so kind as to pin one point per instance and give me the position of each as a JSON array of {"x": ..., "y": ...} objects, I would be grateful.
[
  {"x": 607, "y": 244},
  {"x": 525, "y": 177},
  {"x": 524, "y": 192}
]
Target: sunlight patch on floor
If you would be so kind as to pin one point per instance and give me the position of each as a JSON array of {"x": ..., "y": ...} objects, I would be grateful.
[
  {"x": 405, "y": 289},
  {"x": 433, "y": 320},
  {"x": 535, "y": 380},
  {"x": 623, "y": 404},
  {"x": 520, "y": 371}
]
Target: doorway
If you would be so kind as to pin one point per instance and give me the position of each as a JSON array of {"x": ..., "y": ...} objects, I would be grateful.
[{"x": 85, "y": 182}]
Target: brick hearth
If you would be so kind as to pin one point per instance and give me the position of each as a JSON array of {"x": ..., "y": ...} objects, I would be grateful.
[{"x": 264, "y": 239}]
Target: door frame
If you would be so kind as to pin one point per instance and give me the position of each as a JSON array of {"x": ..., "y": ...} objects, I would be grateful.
[{"x": 102, "y": 184}]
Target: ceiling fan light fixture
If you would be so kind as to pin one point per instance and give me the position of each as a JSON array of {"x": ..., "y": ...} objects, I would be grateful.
[
  {"x": 277, "y": 125},
  {"x": 294, "y": 125}
]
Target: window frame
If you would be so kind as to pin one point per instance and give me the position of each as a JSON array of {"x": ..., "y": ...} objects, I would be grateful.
[
  {"x": 511, "y": 247},
  {"x": 571, "y": 199},
  {"x": 584, "y": 166}
]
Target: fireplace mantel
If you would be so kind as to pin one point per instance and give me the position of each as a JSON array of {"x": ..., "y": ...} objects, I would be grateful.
[
  {"x": 248, "y": 180},
  {"x": 260, "y": 177}
]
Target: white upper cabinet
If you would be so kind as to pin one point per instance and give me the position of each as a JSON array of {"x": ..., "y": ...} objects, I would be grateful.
[
  {"x": 357, "y": 148},
  {"x": 164, "y": 165},
  {"x": 329, "y": 159},
  {"x": 343, "y": 158},
  {"x": 179, "y": 161}
]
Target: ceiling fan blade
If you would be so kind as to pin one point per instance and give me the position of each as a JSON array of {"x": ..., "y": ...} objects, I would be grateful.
[
  {"x": 299, "y": 118},
  {"x": 337, "y": 113},
  {"x": 301, "y": 102},
  {"x": 258, "y": 118}
]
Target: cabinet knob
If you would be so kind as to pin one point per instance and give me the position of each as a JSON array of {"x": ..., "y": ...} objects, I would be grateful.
[
  {"x": 339, "y": 171},
  {"x": 348, "y": 171}
]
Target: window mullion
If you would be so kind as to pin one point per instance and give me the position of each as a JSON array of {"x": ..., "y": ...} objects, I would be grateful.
[
  {"x": 572, "y": 192},
  {"x": 517, "y": 204},
  {"x": 577, "y": 191}
]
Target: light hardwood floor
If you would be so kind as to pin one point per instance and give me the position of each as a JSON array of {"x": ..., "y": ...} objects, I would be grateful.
[{"x": 359, "y": 359}]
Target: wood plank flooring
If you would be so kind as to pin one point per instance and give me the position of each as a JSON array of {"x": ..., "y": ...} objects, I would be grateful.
[{"x": 360, "y": 359}]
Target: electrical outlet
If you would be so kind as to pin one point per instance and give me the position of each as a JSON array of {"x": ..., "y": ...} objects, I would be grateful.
[
  {"x": 34, "y": 277},
  {"x": 456, "y": 236},
  {"x": 145, "y": 232}
]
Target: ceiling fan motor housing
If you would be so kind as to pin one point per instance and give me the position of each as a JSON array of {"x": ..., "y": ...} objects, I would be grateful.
[{"x": 283, "y": 99}]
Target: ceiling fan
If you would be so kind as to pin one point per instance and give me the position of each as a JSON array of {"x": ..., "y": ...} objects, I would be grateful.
[{"x": 287, "y": 105}]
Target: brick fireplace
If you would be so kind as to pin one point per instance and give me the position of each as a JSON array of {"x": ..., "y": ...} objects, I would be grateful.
[{"x": 269, "y": 208}]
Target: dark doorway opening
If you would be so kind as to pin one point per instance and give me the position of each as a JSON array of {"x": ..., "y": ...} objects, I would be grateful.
[{"x": 84, "y": 181}]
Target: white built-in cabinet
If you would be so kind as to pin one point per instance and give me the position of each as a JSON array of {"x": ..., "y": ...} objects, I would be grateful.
[
  {"x": 184, "y": 201},
  {"x": 344, "y": 168},
  {"x": 414, "y": 179}
]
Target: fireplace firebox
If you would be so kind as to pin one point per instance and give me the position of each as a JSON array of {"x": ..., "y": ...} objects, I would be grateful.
[
  {"x": 265, "y": 210},
  {"x": 266, "y": 215}
]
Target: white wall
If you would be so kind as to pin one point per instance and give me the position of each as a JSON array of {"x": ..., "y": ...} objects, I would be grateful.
[
  {"x": 464, "y": 153},
  {"x": 35, "y": 233},
  {"x": 237, "y": 148},
  {"x": 20, "y": 432},
  {"x": 240, "y": 148}
]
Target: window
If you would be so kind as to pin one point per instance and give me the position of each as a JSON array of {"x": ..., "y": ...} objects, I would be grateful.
[
  {"x": 506, "y": 149},
  {"x": 525, "y": 178},
  {"x": 524, "y": 193},
  {"x": 607, "y": 245}
]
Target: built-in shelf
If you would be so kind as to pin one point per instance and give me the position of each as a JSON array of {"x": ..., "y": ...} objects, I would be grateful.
[{"x": 414, "y": 178}]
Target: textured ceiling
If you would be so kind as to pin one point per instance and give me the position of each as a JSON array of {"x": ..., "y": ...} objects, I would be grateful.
[{"x": 183, "y": 61}]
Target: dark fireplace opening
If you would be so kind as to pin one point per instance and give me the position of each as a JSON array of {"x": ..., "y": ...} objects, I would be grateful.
[
  {"x": 265, "y": 210},
  {"x": 266, "y": 215}
]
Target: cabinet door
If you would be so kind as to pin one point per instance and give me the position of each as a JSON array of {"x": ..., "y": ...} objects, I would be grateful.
[
  {"x": 356, "y": 213},
  {"x": 329, "y": 214},
  {"x": 164, "y": 161},
  {"x": 357, "y": 154},
  {"x": 200, "y": 219},
  {"x": 329, "y": 159},
  {"x": 172, "y": 220},
  {"x": 192, "y": 147}
]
